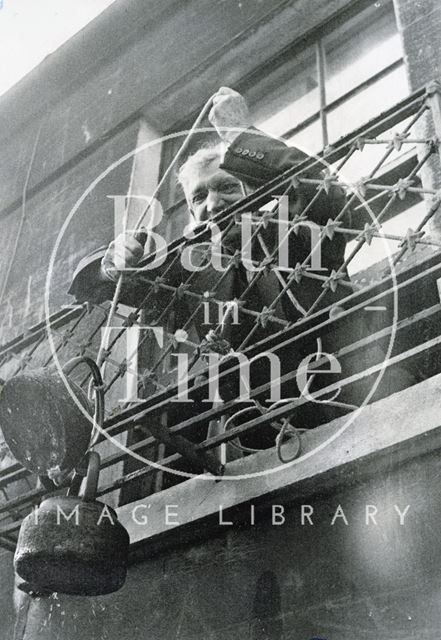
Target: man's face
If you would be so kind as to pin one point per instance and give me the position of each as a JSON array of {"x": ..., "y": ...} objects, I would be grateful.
[{"x": 210, "y": 189}]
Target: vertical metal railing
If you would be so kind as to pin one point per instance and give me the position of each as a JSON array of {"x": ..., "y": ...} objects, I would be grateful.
[{"x": 78, "y": 332}]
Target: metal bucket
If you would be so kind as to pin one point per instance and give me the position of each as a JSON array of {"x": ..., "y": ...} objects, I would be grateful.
[{"x": 42, "y": 425}]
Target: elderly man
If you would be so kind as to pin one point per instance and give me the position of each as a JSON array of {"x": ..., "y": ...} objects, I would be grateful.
[{"x": 213, "y": 179}]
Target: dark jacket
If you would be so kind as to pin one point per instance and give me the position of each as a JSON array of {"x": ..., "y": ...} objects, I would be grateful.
[{"x": 256, "y": 159}]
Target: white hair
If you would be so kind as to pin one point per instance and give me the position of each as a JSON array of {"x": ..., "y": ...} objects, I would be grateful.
[{"x": 201, "y": 159}]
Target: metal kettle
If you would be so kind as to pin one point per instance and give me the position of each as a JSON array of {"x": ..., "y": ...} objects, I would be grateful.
[
  {"x": 73, "y": 545},
  {"x": 42, "y": 425}
]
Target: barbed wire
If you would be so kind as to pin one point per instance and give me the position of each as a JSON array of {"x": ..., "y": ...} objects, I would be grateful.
[{"x": 82, "y": 335}]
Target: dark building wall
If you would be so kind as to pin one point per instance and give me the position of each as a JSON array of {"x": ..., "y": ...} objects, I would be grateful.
[
  {"x": 288, "y": 581},
  {"x": 7, "y": 608},
  {"x": 79, "y": 111},
  {"x": 91, "y": 227},
  {"x": 262, "y": 582},
  {"x": 419, "y": 23}
]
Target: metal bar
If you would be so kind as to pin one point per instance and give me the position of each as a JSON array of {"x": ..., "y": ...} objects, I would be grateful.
[
  {"x": 10, "y": 528},
  {"x": 33, "y": 497},
  {"x": 308, "y": 327},
  {"x": 11, "y": 469},
  {"x": 227, "y": 408},
  {"x": 433, "y": 93},
  {"x": 280, "y": 412},
  {"x": 123, "y": 481},
  {"x": 183, "y": 446},
  {"x": 16, "y": 472},
  {"x": 321, "y": 78},
  {"x": 253, "y": 199},
  {"x": 144, "y": 413},
  {"x": 431, "y": 314},
  {"x": 285, "y": 410},
  {"x": 7, "y": 544},
  {"x": 356, "y": 232},
  {"x": 404, "y": 109},
  {"x": 57, "y": 319},
  {"x": 352, "y": 93},
  {"x": 159, "y": 477},
  {"x": 370, "y": 295}
]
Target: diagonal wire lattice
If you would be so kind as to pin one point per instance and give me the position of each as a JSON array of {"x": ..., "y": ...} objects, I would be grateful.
[{"x": 77, "y": 331}]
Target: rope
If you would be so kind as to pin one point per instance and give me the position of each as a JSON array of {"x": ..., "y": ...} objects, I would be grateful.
[
  {"x": 279, "y": 438},
  {"x": 182, "y": 148},
  {"x": 23, "y": 213},
  {"x": 98, "y": 416},
  {"x": 285, "y": 424},
  {"x": 98, "y": 387}
]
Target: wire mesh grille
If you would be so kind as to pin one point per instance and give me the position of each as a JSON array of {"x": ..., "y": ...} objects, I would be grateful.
[{"x": 78, "y": 330}]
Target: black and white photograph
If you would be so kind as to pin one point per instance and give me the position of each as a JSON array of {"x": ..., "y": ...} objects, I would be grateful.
[{"x": 220, "y": 319}]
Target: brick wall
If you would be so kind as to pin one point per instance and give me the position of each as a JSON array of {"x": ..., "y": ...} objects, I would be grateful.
[
  {"x": 419, "y": 24},
  {"x": 283, "y": 581},
  {"x": 257, "y": 583},
  {"x": 45, "y": 213}
]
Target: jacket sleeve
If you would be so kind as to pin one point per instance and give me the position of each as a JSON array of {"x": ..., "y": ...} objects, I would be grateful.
[
  {"x": 88, "y": 283},
  {"x": 256, "y": 158}
]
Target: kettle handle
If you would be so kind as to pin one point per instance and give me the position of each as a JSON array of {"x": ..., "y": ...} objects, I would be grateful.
[{"x": 93, "y": 472}]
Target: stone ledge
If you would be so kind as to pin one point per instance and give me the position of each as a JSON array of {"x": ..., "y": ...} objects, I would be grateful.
[{"x": 380, "y": 436}]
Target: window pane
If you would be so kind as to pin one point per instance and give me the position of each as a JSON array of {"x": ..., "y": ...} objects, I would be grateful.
[
  {"x": 381, "y": 248},
  {"x": 361, "y": 163},
  {"x": 288, "y": 96},
  {"x": 309, "y": 139},
  {"x": 368, "y": 103},
  {"x": 359, "y": 50}
]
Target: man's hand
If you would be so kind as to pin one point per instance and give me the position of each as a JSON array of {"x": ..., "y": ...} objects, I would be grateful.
[
  {"x": 123, "y": 253},
  {"x": 229, "y": 110}
]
